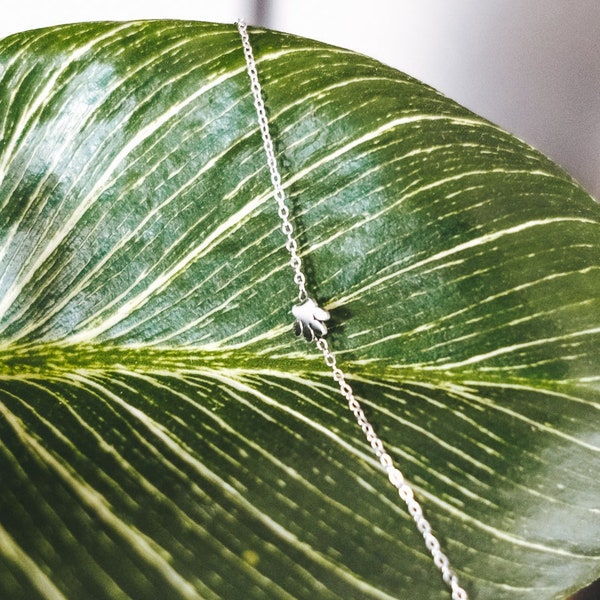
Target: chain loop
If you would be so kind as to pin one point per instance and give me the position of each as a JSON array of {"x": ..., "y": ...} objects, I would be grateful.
[{"x": 394, "y": 474}]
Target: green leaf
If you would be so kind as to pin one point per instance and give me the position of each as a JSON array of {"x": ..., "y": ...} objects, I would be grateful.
[{"x": 162, "y": 433}]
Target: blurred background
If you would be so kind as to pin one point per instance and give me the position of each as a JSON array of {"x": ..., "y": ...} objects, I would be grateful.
[{"x": 531, "y": 66}]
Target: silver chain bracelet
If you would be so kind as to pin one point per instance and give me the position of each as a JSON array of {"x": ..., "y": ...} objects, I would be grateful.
[{"x": 310, "y": 322}]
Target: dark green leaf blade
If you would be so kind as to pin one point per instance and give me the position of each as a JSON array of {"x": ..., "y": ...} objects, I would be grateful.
[{"x": 162, "y": 433}]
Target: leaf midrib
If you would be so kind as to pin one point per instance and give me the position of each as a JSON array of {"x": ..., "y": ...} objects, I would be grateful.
[{"x": 51, "y": 360}]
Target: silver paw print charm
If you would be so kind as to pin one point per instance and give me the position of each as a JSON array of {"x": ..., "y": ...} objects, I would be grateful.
[{"x": 309, "y": 320}]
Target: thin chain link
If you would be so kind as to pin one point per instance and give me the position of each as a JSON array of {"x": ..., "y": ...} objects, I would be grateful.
[
  {"x": 394, "y": 474},
  {"x": 284, "y": 212}
]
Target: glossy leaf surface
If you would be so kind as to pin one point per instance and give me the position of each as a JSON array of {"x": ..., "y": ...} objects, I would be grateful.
[{"x": 162, "y": 433}]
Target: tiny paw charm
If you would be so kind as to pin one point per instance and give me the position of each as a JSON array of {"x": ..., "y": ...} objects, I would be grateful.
[{"x": 309, "y": 320}]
